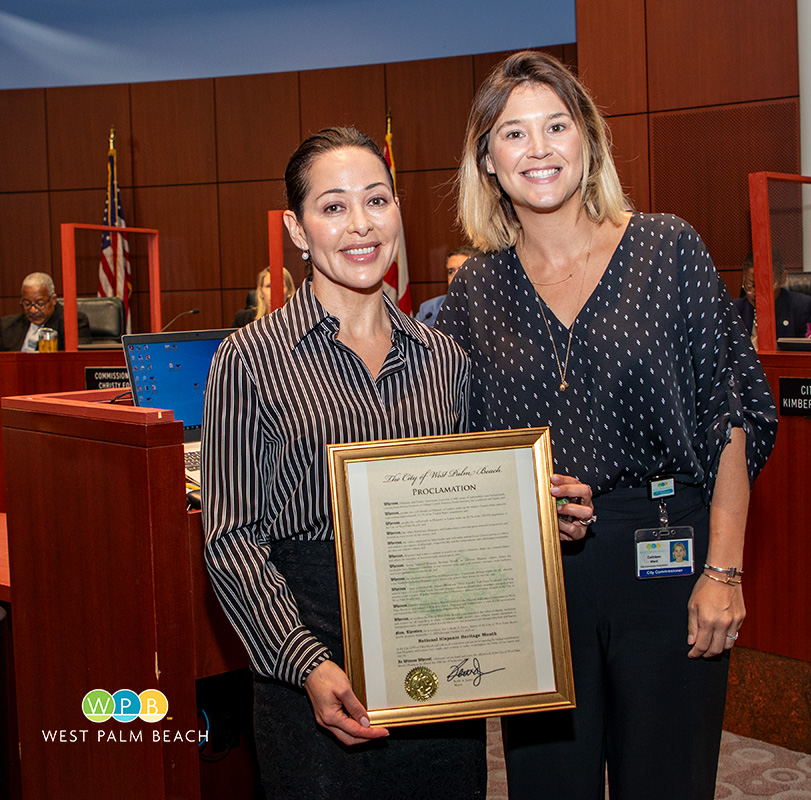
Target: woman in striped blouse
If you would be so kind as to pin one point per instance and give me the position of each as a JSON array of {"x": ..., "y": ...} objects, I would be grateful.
[{"x": 338, "y": 363}]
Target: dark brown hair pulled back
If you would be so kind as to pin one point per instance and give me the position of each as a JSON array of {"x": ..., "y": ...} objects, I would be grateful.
[{"x": 296, "y": 176}]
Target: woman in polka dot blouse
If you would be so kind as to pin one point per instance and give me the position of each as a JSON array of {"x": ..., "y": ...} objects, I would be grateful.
[{"x": 614, "y": 329}]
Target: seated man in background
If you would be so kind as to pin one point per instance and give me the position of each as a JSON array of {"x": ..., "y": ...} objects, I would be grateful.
[
  {"x": 792, "y": 310},
  {"x": 40, "y": 310},
  {"x": 430, "y": 308}
]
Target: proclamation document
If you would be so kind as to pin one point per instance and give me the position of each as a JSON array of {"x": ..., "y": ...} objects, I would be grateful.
[{"x": 453, "y": 591}]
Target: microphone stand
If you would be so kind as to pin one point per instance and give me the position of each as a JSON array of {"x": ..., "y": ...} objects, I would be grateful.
[{"x": 178, "y": 316}]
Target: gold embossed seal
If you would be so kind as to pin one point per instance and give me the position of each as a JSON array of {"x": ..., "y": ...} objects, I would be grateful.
[{"x": 421, "y": 684}]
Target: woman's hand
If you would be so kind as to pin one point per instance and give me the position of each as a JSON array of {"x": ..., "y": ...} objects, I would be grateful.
[
  {"x": 716, "y": 609},
  {"x": 582, "y": 514},
  {"x": 335, "y": 706},
  {"x": 714, "y": 615}
]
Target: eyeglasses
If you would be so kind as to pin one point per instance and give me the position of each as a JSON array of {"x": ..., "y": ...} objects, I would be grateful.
[
  {"x": 748, "y": 286},
  {"x": 27, "y": 305}
]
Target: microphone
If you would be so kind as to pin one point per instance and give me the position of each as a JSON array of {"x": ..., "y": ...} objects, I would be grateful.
[{"x": 178, "y": 316}]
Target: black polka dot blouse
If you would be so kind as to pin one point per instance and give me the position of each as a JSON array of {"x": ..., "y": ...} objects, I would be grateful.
[{"x": 659, "y": 372}]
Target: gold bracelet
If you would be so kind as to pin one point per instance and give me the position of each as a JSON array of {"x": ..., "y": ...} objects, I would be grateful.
[{"x": 727, "y": 581}]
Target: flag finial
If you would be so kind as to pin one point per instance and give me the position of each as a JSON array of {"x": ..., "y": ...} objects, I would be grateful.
[{"x": 112, "y": 137}]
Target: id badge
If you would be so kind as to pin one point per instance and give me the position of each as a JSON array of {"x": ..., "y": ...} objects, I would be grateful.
[{"x": 664, "y": 552}]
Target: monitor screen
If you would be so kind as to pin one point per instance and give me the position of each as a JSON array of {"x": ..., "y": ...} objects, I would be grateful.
[
  {"x": 170, "y": 370},
  {"x": 790, "y": 343}
]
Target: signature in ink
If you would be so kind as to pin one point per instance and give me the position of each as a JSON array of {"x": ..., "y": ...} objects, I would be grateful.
[{"x": 461, "y": 671}]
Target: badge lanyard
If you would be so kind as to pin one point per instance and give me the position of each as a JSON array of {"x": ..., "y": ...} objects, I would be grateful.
[{"x": 665, "y": 551}]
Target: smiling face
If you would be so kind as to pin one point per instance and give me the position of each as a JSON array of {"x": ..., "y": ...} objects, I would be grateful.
[
  {"x": 679, "y": 552},
  {"x": 350, "y": 221},
  {"x": 535, "y": 151}
]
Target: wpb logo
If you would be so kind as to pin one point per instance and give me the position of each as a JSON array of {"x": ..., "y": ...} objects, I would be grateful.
[{"x": 125, "y": 705}]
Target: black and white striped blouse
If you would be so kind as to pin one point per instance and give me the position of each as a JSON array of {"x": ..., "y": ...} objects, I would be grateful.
[{"x": 279, "y": 391}]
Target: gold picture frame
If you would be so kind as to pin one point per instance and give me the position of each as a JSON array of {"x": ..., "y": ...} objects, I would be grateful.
[{"x": 450, "y": 576}]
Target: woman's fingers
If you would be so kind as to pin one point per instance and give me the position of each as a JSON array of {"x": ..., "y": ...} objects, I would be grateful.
[
  {"x": 715, "y": 614},
  {"x": 336, "y": 706},
  {"x": 575, "y": 516}
]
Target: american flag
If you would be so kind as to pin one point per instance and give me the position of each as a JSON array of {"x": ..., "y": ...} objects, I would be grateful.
[
  {"x": 115, "y": 275},
  {"x": 395, "y": 281}
]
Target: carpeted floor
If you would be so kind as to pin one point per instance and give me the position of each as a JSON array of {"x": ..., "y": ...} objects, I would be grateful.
[
  {"x": 496, "y": 774},
  {"x": 752, "y": 769},
  {"x": 747, "y": 770}
]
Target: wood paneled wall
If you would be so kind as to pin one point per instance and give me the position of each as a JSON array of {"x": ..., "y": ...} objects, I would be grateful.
[
  {"x": 203, "y": 161},
  {"x": 698, "y": 95}
]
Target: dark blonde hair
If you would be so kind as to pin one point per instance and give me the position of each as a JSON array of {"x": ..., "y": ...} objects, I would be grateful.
[
  {"x": 261, "y": 305},
  {"x": 289, "y": 284},
  {"x": 484, "y": 210},
  {"x": 289, "y": 290}
]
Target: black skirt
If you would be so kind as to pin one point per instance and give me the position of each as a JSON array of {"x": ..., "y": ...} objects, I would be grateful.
[{"x": 301, "y": 760}]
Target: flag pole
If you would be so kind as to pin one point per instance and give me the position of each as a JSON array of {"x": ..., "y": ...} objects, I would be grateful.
[
  {"x": 114, "y": 267},
  {"x": 396, "y": 278},
  {"x": 113, "y": 181},
  {"x": 389, "y": 138}
]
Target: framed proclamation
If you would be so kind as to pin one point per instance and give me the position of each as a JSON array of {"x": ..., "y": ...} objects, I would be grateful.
[{"x": 450, "y": 576}]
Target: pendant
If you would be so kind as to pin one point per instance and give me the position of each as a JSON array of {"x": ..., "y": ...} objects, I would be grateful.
[{"x": 563, "y": 386}]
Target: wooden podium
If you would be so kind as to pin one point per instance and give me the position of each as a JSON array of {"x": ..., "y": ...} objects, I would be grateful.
[{"x": 109, "y": 591}]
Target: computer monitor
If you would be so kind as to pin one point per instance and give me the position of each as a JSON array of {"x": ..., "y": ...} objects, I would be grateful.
[
  {"x": 169, "y": 370},
  {"x": 794, "y": 343}
]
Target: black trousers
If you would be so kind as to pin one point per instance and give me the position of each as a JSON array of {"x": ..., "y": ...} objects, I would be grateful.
[{"x": 643, "y": 706}]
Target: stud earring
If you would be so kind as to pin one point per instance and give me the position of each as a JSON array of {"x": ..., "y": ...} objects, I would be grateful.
[{"x": 305, "y": 254}]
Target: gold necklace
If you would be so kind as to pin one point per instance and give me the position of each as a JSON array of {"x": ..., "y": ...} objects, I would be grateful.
[
  {"x": 554, "y": 283},
  {"x": 563, "y": 369}
]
